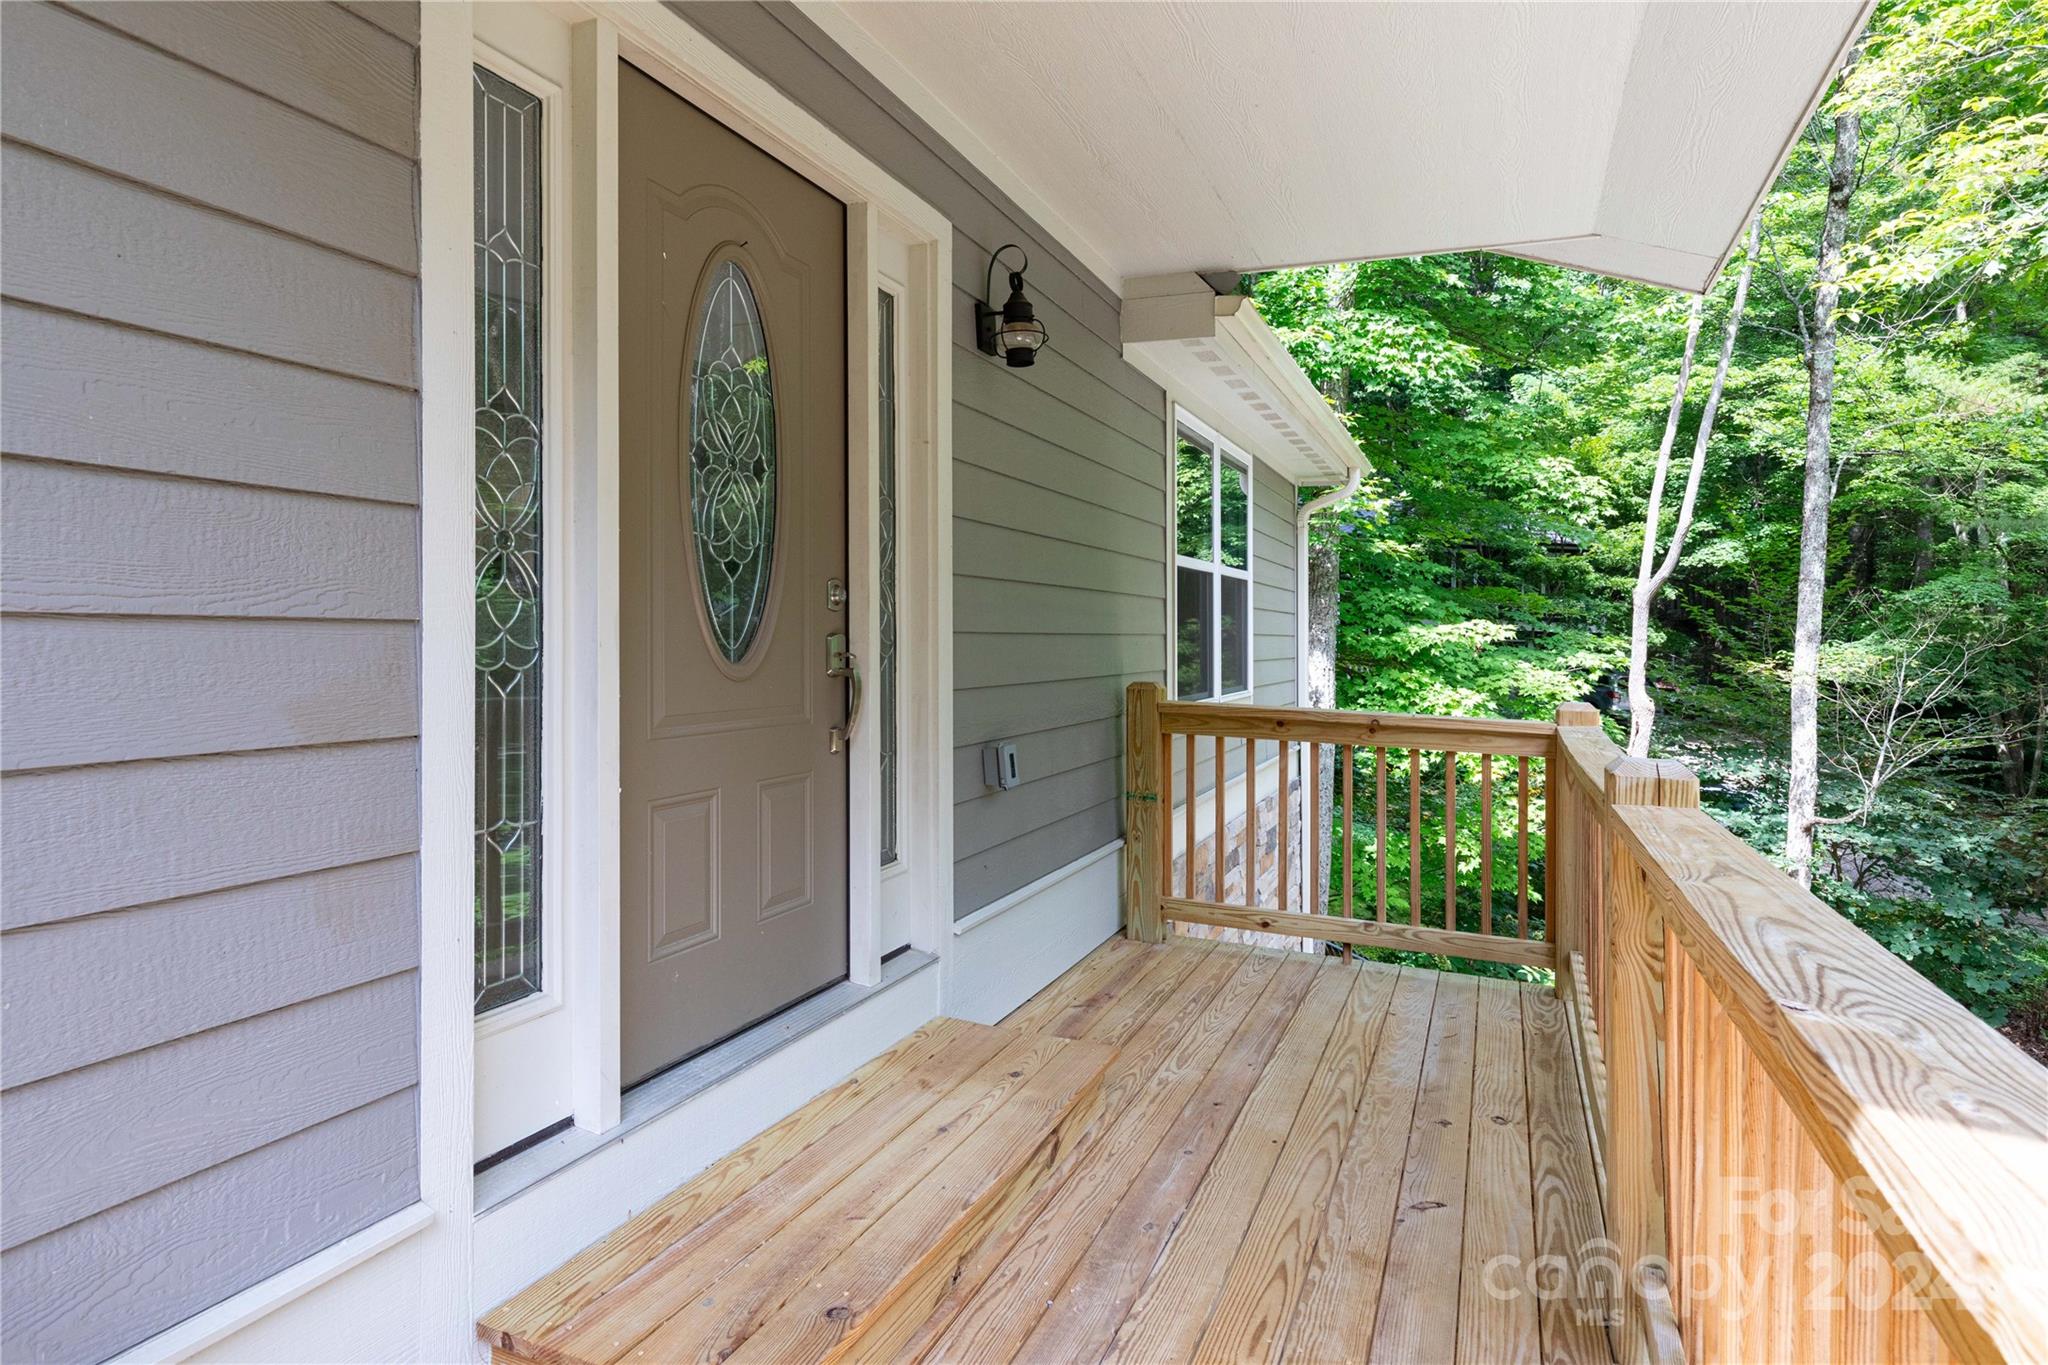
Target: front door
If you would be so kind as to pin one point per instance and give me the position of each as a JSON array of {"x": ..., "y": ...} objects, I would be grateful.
[{"x": 732, "y": 397}]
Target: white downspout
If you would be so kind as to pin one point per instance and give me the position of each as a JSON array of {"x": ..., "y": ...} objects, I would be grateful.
[{"x": 1301, "y": 516}]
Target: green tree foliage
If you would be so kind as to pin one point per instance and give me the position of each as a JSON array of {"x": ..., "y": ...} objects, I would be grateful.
[{"x": 1511, "y": 411}]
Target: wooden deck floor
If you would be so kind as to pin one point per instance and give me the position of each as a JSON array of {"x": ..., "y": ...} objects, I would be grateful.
[
  {"x": 1194, "y": 1150},
  {"x": 1301, "y": 1158}
]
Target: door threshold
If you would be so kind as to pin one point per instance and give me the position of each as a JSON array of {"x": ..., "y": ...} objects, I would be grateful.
[{"x": 679, "y": 1084}]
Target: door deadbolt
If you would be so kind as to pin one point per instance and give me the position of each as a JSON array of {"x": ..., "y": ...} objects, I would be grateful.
[{"x": 835, "y": 595}]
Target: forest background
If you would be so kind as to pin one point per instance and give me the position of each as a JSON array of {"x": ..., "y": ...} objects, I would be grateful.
[{"x": 1512, "y": 412}]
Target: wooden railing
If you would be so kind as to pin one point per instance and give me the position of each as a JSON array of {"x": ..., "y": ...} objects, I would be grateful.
[
  {"x": 1806, "y": 1151},
  {"x": 1824, "y": 1127},
  {"x": 1455, "y": 769}
]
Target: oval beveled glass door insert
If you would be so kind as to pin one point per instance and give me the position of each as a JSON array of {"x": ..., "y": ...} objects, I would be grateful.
[{"x": 732, "y": 461}]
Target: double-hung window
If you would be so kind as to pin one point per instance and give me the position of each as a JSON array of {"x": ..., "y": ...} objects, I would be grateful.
[{"x": 1212, "y": 568}]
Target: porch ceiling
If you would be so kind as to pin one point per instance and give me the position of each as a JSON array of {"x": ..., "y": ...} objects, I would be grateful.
[{"x": 1630, "y": 139}]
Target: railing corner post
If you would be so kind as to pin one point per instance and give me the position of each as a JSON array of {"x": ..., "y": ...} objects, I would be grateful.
[
  {"x": 1636, "y": 966},
  {"x": 1578, "y": 713},
  {"x": 1145, "y": 807}
]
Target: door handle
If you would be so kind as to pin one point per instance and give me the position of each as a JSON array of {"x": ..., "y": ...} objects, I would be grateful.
[{"x": 840, "y": 663}]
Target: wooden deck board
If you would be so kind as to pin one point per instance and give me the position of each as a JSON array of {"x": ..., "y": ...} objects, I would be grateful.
[
  {"x": 1265, "y": 1277},
  {"x": 887, "y": 1280},
  {"x": 1565, "y": 1197},
  {"x": 1172, "y": 1310},
  {"x": 708, "y": 1314},
  {"x": 1340, "y": 1300},
  {"x": 1083, "y": 1315},
  {"x": 1123, "y": 1015},
  {"x": 1418, "y": 1318},
  {"x": 1162, "y": 1065},
  {"x": 854, "y": 1118},
  {"x": 1042, "y": 1011},
  {"x": 1497, "y": 1320},
  {"x": 1289, "y": 1158}
]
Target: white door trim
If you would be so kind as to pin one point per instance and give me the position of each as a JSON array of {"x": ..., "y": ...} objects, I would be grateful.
[
  {"x": 447, "y": 660},
  {"x": 888, "y": 222}
]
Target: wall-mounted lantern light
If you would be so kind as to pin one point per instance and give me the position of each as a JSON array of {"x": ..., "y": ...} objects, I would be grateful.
[{"x": 1013, "y": 331}]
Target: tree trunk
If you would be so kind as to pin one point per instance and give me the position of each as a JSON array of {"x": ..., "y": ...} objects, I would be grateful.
[
  {"x": 1322, "y": 692},
  {"x": 1642, "y": 707},
  {"x": 1863, "y": 551},
  {"x": 1323, "y": 573},
  {"x": 1803, "y": 789}
]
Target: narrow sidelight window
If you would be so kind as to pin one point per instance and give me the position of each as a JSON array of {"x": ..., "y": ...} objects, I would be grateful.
[
  {"x": 885, "y": 369},
  {"x": 1212, "y": 570},
  {"x": 508, "y": 541}
]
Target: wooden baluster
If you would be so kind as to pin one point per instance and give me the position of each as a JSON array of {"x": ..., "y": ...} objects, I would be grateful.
[
  {"x": 1251, "y": 823},
  {"x": 1283, "y": 801},
  {"x": 1485, "y": 844},
  {"x": 1349, "y": 764},
  {"x": 1566, "y": 933},
  {"x": 1593, "y": 874},
  {"x": 1566, "y": 915},
  {"x": 1144, "y": 879},
  {"x": 1216, "y": 789},
  {"x": 1188, "y": 818},
  {"x": 1451, "y": 840},
  {"x": 1522, "y": 852},
  {"x": 1166, "y": 747},
  {"x": 1379, "y": 807},
  {"x": 1415, "y": 837},
  {"x": 1312, "y": 827}
]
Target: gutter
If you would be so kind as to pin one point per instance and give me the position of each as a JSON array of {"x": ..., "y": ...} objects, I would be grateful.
[{"x": 1301, "y": 519}]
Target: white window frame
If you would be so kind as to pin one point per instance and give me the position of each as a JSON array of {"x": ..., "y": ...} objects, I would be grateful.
[{"x": 1221, "y": 451}]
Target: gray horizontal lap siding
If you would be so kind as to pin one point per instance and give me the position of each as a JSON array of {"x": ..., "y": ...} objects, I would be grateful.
[
  {"x": 1059, "y": 541},
  {"x": 209, "y": 573},
  {"x": 1273, "y": 588}
]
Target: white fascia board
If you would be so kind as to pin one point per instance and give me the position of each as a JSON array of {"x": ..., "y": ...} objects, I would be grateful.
[{"x": 1227, "y": 365}]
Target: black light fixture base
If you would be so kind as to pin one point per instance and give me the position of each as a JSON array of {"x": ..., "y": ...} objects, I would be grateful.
[{"x": 987, "y": 322}]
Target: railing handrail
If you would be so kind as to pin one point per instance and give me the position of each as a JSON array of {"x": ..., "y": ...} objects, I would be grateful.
[
  {"x": 1940, "y": 1123},
  {"x": 1363, "y": 729},
  {"x": 1587, "y": 753}
]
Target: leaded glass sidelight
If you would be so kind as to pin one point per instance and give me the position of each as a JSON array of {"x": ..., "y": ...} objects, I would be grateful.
[
  {"x": 885, "y": 369},
  {"x": 732, "y": 461},
  {"x": 508, "y": 540}
]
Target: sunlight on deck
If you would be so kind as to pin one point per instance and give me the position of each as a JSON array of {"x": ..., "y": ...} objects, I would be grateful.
[
  {"x": 1189, "y": 1150},
  {"x": 1337, "y": 1161}
]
